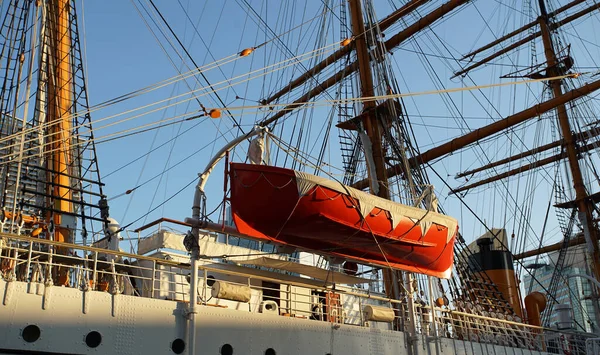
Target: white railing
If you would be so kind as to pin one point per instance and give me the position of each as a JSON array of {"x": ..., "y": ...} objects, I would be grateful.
[
  {"x": 592, "y": 346},
  {"x": 46, "y": 262}
]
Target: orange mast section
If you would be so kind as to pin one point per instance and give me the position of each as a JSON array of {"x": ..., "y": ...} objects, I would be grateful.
[{"x": 60, "y": 100}]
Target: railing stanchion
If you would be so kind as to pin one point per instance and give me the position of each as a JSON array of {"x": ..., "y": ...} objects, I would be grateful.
[
  {"x": 152, "y": 287},
  {"x": 95, "y": 271},
  {"x": 29, "y": 254}
]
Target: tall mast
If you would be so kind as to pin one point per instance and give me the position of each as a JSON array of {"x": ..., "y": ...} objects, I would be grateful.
[
  {"x": 581, "y": 195},
  {"x": 60, "y": 101},
  {"x": 49, "y": 169},
  {"x": 377, "y": 173}
]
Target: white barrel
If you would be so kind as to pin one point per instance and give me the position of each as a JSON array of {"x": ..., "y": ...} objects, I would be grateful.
[
  {"x": 227, "y": 291},
  {"x": 379, "y": 314}
]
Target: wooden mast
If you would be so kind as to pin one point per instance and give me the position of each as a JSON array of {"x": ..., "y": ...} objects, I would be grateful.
[
  {"x": 581, "y": 195},
  {"x": 371, "y": 122},
  {"x": 379, "y": 182},
  {"x": 60, "y": 101}
]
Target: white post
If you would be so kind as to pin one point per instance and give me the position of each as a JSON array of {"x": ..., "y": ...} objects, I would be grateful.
[
  {"x": 412, "y": 326},
  {"x": 193, "y": 299},
  {"x": 433, "y": 320},
  {"x": 195, "y": 232}
]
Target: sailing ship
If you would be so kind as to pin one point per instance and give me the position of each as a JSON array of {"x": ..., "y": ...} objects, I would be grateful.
[{"x": 291, "y": 249}]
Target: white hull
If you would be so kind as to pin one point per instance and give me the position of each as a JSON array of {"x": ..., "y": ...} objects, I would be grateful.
[{"x": 138, "y": 325}]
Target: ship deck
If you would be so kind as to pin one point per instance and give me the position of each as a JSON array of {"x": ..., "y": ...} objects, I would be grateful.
[{"x": 114, "y": 289}]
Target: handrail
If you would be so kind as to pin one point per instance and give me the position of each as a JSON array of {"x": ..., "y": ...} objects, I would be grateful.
[
  {"x": 186, "y": 265},
  {"x": 82, "y": 247},
  {"x": 525, "y": 325}
]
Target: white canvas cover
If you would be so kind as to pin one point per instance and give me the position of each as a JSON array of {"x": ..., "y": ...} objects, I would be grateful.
[
  {"x": 379, "y": 313},
  {"x": 367, "y": 202},
  {"x": 255, "y": 150},
  {"x": 230, "y": 291}
]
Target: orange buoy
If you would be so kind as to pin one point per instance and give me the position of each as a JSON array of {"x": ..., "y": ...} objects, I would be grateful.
[
  {"x": 346, "y": 42},
  {"x": 440, "y": 302},
  {"x": 215, "y": 113},
  {"x": 36, "y": 232},
  {"x": 246, "y": 52},
  {"x": 103, "y": 286}
]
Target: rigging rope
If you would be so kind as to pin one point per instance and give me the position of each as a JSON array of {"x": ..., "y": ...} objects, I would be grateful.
[{"x": 306, "y": 105}]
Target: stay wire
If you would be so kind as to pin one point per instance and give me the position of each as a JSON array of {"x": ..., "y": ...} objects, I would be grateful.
[{"x": 223, "y": 105}]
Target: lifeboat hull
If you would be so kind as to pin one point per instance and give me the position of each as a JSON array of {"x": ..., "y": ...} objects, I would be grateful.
[{"x": 287, "y": 207}]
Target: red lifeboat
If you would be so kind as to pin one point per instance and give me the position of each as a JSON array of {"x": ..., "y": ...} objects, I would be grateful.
[{"x": 309, "y": 212}]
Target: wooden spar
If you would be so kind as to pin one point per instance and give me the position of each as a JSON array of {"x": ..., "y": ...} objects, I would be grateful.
[
  {"x": 340, "y": 53},
  {"x": 579, "y": 136},
  {"x": 580, "y": 239},
  {"x": 512, "y": 158},
  {"x": 329, "y": 82},
  {"x": 497, "y": 54},
  {"x": 527, "y": 39},
  {"x": 553, "y": 247},
  {"x": 399, "y": 13},
  {"x": 516, "y": 171},
  {"x": 491, "y": 129},
  {"x": 524, "y": 168},
  {"x": 522, "y": 29},
  {"x": 335, "y": 78},
  {"x": 422, "y": 23},
  {"x": 585, "y": 210},
  {"x": 60, "y": 99},
  {"x": 371, "y": 122}
]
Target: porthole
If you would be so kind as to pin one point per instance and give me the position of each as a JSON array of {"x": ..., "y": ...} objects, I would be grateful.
[
  {"x": 31, "y": 333},
  {"x": 226, "y": 349},
  {"x": 178, "y": 346},
  {"x": 210, "y": 280},
  {"x": 93, "y": 339},
  {"x": 270, "y": 351}
]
